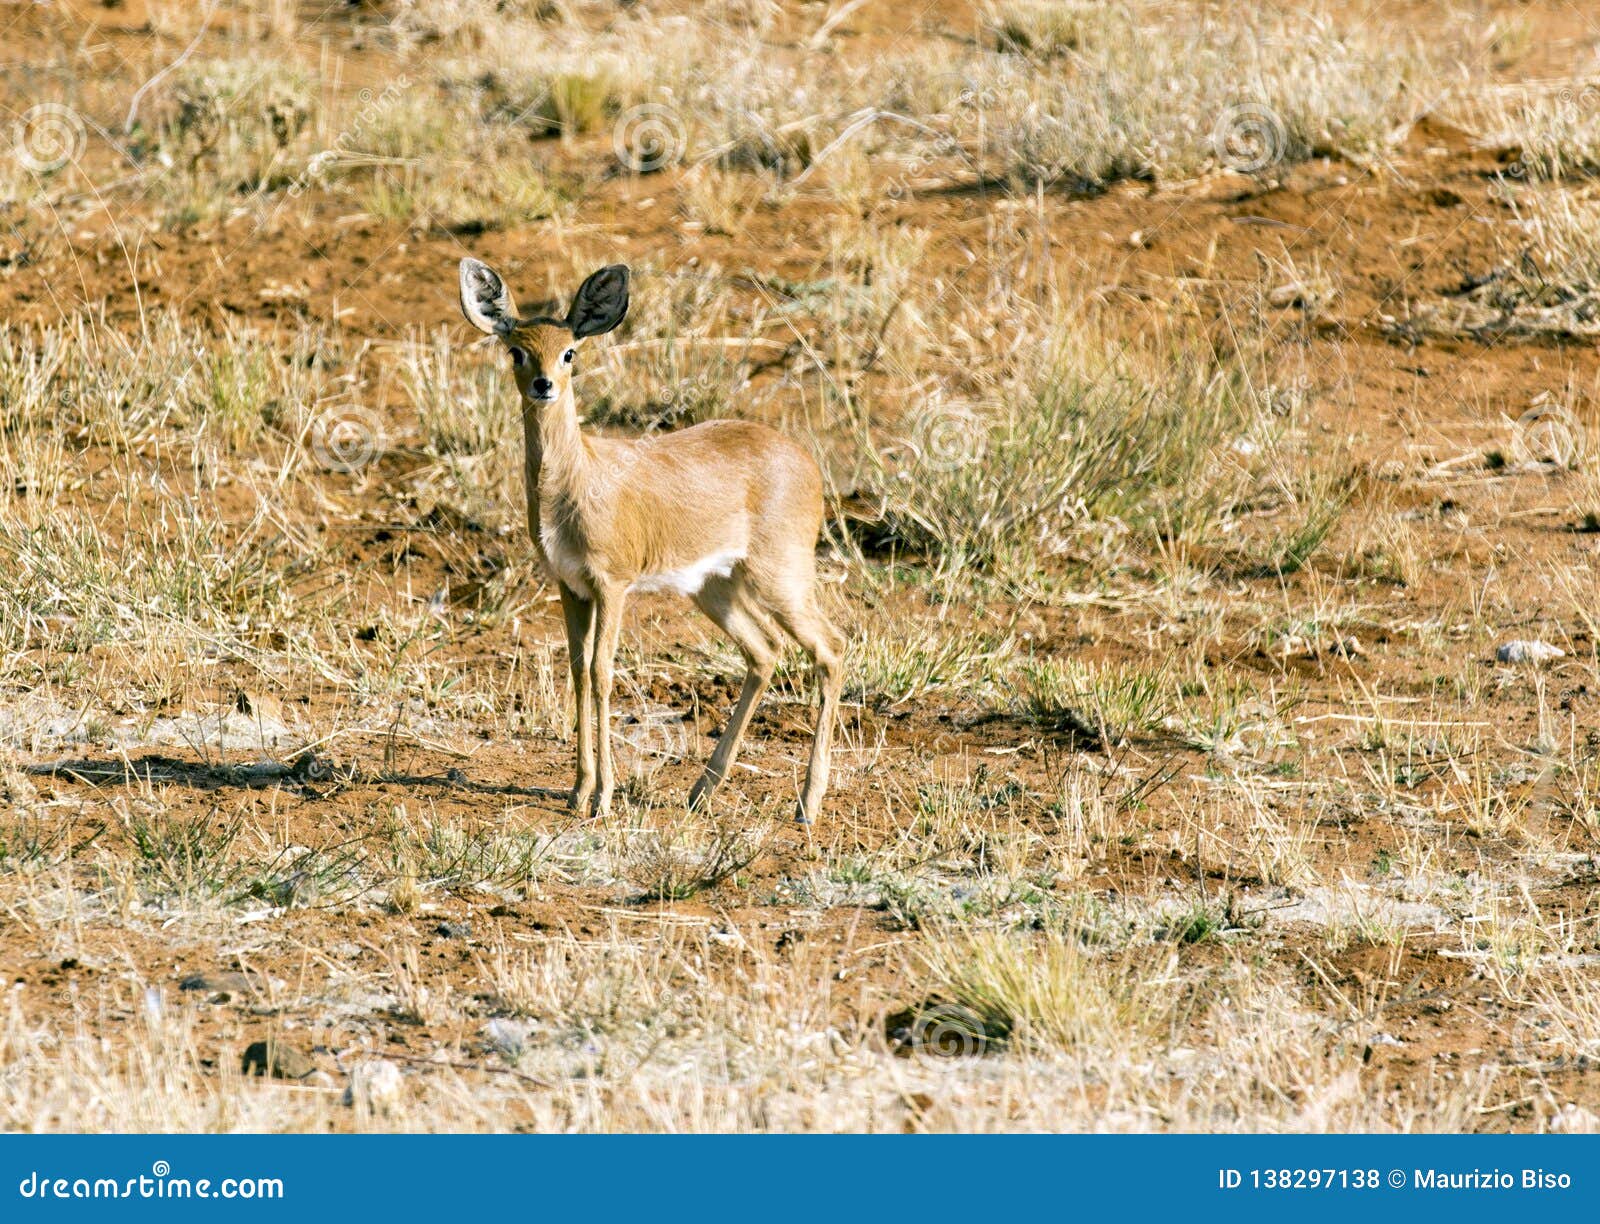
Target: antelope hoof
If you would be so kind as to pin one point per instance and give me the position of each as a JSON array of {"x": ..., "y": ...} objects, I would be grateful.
[
  {"x": 602, "y": 804},
  {"x": 800, "y": 816},
  {"x": 700, "y": 792},
  {"x": 580, "y": 798}
]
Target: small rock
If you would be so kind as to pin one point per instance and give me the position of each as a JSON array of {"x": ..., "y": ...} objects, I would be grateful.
[
  {"x": 309, "y": 767},
  {"x": 219, "y": 987},
  {"x": 1292, "y": 294},
  {"x": 376, "y": 1085},
  {"x": 1528, "y": 652},
  {"x": 1574, "y": 1120},
  {"x": 1292, "y": 645},
  {"x": 280, "y": 1061},
  {"x": 453, "y": 930},
  {"x": 507, "y": 1036},
  {"x": 257, "y": 705}
]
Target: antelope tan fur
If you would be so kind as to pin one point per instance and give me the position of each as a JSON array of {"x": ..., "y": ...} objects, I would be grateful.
[{"x": 726, "y": 512}]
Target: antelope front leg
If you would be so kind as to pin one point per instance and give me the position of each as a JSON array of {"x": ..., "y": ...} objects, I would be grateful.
[
  {"x": 608, "y": 626},
  {"x": 579, "y": 615}
]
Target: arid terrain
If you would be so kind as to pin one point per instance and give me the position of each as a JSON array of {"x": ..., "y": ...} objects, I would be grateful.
[{"x": 1208, "y": 401}]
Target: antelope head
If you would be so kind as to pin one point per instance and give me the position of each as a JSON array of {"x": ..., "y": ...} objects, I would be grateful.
[{"x": 543, "y": 349}]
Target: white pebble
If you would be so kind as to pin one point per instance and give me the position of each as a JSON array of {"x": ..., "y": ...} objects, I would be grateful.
[
  {"x": 1574, "y": 1120},
  {"x": 1528, "y": 652},
  {"x": 376, "y": 1085}
]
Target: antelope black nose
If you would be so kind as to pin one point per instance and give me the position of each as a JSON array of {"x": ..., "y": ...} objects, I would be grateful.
[{"x": 542, "y": 386}]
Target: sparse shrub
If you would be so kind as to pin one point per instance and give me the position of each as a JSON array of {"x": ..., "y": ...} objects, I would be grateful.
[
  {"x": 720, "y": 201},
  {"x": 1544, "y": 130},
  {"x": 468, "y": 413},
  {"x": 1167, "y": 96},
  {"x": 464, "y": 201},
  {"x": 692, "y": 855},
  {"x": 889, "y": 667},
  {"x": 1048, "y": 27},
  {"x": 1318, "y": 506},
  {"x": 1552, "y": 257},
  {"x": 465, "y": 407},
  {"x": 540, "y": 82},
  {"x": 588, "y": 987},
  {"x": 182, "y": 858},
  {"x": 1041, "y": 992},
  {"x": 1078, "y": 433},
  {"x": 1105, "y": 701},
  {"x": 1546, "y": 282},
  {"x": 26, "y": 841},
  {"x": 176, "y": 570},
  {"x": 229, "y": 127}
]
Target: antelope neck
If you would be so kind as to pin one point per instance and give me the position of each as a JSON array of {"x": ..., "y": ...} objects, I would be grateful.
[{"x": 555, "y": 445}]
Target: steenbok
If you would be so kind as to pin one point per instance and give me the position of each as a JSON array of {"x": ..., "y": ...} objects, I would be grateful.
[{"x": 726, "y": 512}]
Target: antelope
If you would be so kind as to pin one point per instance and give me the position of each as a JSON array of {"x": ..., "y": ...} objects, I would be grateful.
[{"x": 726, "y": 512}]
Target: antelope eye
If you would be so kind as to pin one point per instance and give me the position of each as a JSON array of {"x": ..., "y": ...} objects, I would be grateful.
[
  {"x": 519, "y": 357},
  {"x": 569, "y": 355}
]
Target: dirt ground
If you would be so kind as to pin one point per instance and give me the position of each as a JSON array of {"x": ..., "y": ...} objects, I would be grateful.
[{"x": 212, "y": 842}]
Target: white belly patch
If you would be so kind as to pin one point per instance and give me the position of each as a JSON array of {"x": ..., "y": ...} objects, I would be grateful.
[
  {"x": 565, "y": 564},
  {"x": 690, "y": 578}
]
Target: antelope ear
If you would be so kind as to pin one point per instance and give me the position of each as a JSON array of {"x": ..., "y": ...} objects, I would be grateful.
[
  {"x": 600, "y": 302},
  {"x": 485, "y": 300}
]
